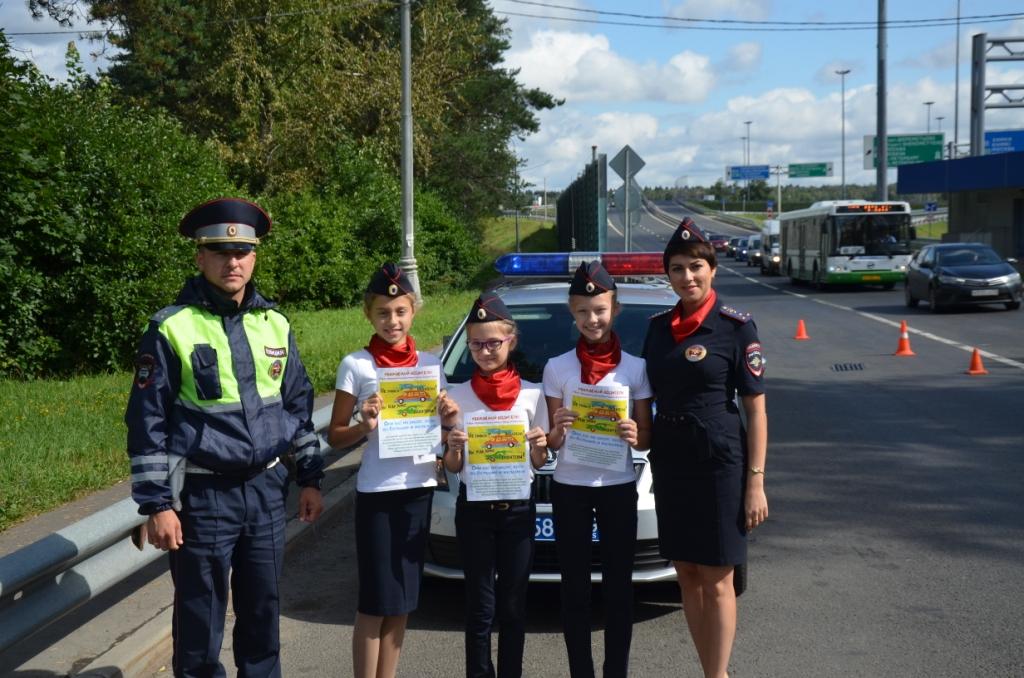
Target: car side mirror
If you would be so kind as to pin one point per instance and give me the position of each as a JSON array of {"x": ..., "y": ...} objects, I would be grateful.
[
  {"x": 445, "y": 340},
  {"x": 1011, "y": 260},
  {"x": 926, "y": 264},
  {"x": 913, "y": 232}
]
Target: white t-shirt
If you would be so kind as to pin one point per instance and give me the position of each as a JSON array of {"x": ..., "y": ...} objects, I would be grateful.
[
  {"x": 562, "y": 378},
  {"x": 530, "y": 400},
  {"x": 357, "y": 376}
]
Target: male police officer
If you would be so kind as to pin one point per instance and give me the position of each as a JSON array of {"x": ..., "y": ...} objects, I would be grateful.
[{"x": 219, "y": 397}]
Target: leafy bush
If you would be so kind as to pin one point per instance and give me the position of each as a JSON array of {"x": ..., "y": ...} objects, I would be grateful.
[{"x": 93, "y": 193}]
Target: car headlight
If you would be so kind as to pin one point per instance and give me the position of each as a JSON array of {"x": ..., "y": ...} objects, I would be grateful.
[
  {"x": 776, "y": 259},
  {"x": 951, "y": 280},
  {"x": 903, "y": 267},
  {"x": 836, "y": 269},
  {"x": 1013, "y": 278}
]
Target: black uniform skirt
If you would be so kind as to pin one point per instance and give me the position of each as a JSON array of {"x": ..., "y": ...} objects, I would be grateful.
[
  {"x": 698, "y": 467},
  {"x": 391, "y": 538}
]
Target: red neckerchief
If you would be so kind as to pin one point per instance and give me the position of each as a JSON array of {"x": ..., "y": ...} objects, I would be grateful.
[
  {"x": 684, "y": 327},
  {"x": 499, "y": 390},
  {"x": 597, "y": 360},
  {"x": 386, "y": 355}
]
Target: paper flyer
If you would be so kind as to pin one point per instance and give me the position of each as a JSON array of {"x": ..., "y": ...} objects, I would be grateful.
[
  {"x": 498, "y": 460},
  {"x": 409, "y": 425},
  {"x": 594, "y": 438}
]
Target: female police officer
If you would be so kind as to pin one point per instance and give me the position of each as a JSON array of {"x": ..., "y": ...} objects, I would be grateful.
[
  {"x": 219, "y": 396},
  {"x": 708, "y": 471}
]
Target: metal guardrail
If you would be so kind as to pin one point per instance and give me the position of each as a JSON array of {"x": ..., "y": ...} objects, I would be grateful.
[{"x": 43, "y": 581}]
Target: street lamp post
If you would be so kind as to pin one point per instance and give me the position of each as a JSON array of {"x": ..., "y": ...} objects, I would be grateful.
[
  {"x": 940, "y": 118},
  {"x": 842, "y": 77},
  {"x": 928, "y": 116},
  {"x": 743, "y": 159},
  {"x": 747, "y": 123}
]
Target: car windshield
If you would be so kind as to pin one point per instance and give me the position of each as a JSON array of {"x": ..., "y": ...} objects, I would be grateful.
[
  {"x": 968, "y": 256},
  {"x": 547, "y": 330}
]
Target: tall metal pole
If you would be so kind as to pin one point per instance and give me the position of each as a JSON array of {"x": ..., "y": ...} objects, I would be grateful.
[
  {"x": 939, "y": 119},
  {"x": 625, "y": 198},
  {"x": 515, "y": 193},
  {"x": 842, "y": 77},
  {"x": 882, "y": 159},
  {"x": 743, "y": 153},
  {"x": 408, "y": 260},
  {"x": 928, "y": 116},
  {"x": 747, "y": 123},
  {"x": 956, "y": 90}
]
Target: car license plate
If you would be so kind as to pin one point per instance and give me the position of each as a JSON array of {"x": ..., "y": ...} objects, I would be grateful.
[
  {"x": 984, "y": 293},
  {"x": 871, "y": 277},
  {"x": 545, "y": 529}
]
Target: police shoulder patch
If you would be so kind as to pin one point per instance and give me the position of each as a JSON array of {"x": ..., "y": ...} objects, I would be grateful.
[
  {"x": 145, "y": 369},
  {"x": 730, "y": 312},
  {"x": 754, "y": 359}
]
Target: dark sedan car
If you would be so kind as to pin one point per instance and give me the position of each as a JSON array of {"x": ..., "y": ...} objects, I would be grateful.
[{"x": 962, "y": 273}]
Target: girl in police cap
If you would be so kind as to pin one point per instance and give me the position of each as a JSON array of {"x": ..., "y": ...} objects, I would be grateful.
[
  {"x": 581, "y": 493},
  {"x": 708, "y": 469},
  {"x": 393, "y": 497},
  {"x": 495, "y": 537}
]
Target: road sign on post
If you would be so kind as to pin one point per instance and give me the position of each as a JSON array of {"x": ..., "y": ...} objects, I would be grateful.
[
  {"x": 905, "y": 149},
  {"x": 1004, "y": 141},
  {"x": 626, "y": 163},
  {"x": 747, "y": 172},
  {"x": 802, "y": 170}
]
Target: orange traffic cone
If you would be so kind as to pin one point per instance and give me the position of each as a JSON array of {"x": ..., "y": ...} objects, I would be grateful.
[
  {"x": 976, "y": 366},
  {"x": 801, "y": 331},
  {"x": 904, "y": 346}
]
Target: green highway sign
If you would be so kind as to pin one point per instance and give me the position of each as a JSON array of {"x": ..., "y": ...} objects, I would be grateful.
[
  {"x": 905, "y": 149},
  {"x": 809, "y": 169}
]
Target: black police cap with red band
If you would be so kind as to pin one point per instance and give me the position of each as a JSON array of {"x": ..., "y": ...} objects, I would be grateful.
[
  {"x": 390, "y": 281},
  {"x": 487, "y": 308},
  {"x": 688, "y": 232},
  {"x": 591, "y": 279},
  {"x": 226, "y": 224}
]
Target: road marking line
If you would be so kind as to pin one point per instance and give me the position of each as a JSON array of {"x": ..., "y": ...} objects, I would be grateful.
[
  {"x": 886, "y": 321},
  {"x": 615, "y": 229}
]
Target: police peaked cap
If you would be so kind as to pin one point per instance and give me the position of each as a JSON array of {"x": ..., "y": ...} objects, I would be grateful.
[
  {"x": 686, "y": 233},
  {"x": 226, "y": 224},
  {"x": 488, "y": 307},
  {"x": 390, "y": 281},
  {"x": 591, "y": 280}
]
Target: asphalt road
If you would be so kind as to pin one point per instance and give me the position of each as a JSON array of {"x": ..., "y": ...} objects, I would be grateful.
[{"x": 895, "y": 544}]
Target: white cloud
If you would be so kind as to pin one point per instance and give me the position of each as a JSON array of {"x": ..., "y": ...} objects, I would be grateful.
[
  {"x": 583, "y": 67},
  {"x": 47, "y": 52},
  {"x": 753, "y": 10}
]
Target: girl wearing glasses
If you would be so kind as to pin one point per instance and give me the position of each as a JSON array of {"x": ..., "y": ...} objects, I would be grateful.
[
  {"x": 582, "y": 492},
  {"x": 393, "y": 495},
  {"x": 495, "y": 537}
]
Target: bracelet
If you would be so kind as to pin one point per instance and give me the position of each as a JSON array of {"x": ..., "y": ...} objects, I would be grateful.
[
  {"x": 754, "y": 470},
  {"x": 447, "y": 428}
]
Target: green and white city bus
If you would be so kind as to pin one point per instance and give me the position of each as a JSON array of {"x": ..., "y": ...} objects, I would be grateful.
[{"x": 847, "y": 242}]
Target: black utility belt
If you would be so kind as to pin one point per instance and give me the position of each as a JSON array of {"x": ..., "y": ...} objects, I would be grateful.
[
  {"x": 693, "y": 417},
  {"x": 244, "y": 474}
]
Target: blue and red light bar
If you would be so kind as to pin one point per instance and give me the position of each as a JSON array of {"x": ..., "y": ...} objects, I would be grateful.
[{"x": 565, "y": 263}]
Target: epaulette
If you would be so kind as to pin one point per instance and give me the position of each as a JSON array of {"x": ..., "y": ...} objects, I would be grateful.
[
  {"x": 730, "y": 312},
  {"x": 660, "y": 313},
  {"x": 164, "y": 313}
]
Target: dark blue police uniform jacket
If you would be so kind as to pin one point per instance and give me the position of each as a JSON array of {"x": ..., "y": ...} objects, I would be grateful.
[{"x": 699, "y": 448}]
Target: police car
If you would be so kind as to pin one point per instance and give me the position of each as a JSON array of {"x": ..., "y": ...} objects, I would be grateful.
[{"x": 546, "y": 330}]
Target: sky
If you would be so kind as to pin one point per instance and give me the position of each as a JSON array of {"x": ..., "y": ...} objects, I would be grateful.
[{"x": 679, "y": 95}]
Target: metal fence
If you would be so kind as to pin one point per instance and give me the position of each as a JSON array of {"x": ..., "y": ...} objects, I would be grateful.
[
  {"x": 581, "y": 222},
  {"x": 45, "y": 580}
]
